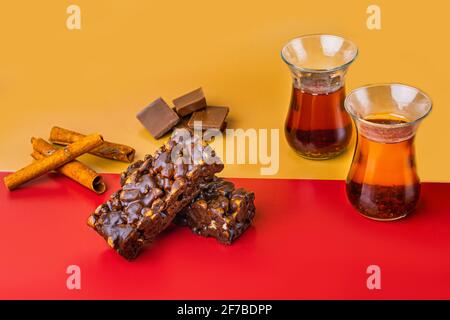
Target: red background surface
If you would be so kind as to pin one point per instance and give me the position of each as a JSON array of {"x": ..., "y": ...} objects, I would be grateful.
[{"x": 307, "y": 242}]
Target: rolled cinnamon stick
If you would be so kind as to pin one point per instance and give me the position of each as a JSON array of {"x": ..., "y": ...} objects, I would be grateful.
[
  {"x": 107, "y": 150},
  {"x": 74, "y": 169},
  {"x": 53, "y": 161}
]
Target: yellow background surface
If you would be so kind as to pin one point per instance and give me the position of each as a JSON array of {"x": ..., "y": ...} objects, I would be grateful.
[{"x": 130, "y": 52}]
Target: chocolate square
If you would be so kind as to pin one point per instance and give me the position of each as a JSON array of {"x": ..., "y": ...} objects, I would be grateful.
[
  {"x": 158, "y": 118},
  {"x": 211, "y": 117},
  {"x": 190, "y": 102}
]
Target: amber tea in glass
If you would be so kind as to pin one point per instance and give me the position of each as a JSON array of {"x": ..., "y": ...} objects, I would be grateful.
[
  {"x": 317, "y": 125},
  {"x": 382, "y": 182}
]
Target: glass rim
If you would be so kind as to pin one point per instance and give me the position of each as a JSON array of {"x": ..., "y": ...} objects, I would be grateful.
[
  {"x": 313, "y": 70},
  {"x": 392, "y": 125}
]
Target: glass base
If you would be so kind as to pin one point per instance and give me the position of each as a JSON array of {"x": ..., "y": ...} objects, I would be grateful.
[
  {"x": 383, "y": 220},
  {"x": 320, "y": 157},
  {"x": 383, "y": 202}
]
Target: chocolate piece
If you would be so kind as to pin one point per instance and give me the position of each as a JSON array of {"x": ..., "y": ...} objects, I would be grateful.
[
  {"x": 190, "y": 102},
  {"x": 211, "y": 117},
  {"x": 224, "y": 126},
  {"x": 219, "y": 211},
  {"x": 153, "y": 192},
  {"x": 158, "y": 118},
  {"x": 183, "y": 123}
]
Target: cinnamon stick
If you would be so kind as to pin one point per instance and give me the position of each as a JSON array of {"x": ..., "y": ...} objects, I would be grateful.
[
  {"x": 74, "y": 169},
  {"x": 107, "y": 149},
  {"x": 53, "y": 161}
]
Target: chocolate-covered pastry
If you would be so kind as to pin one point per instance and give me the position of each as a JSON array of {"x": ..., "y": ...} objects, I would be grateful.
[
  {"x": 220, "y": 211},
  {"x": 153, "y": 192}
]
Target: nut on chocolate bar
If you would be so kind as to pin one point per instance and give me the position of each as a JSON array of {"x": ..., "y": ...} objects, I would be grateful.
[
  {"x": 158, "y": 118},
  {"x": 153, "y": 191},
  {"x": 220, "y": 211},
  {"x": 190, "y": 102}
]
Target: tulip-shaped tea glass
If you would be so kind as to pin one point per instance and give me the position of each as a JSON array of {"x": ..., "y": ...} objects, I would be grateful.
[
  {"x": 382, "y": 183},
  {"x": 317, "y": 126}
]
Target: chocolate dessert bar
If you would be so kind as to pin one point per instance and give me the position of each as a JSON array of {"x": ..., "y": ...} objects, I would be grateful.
[
  {"x": 220, "y": 211},
  {"x": 153, "y": 191}
]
